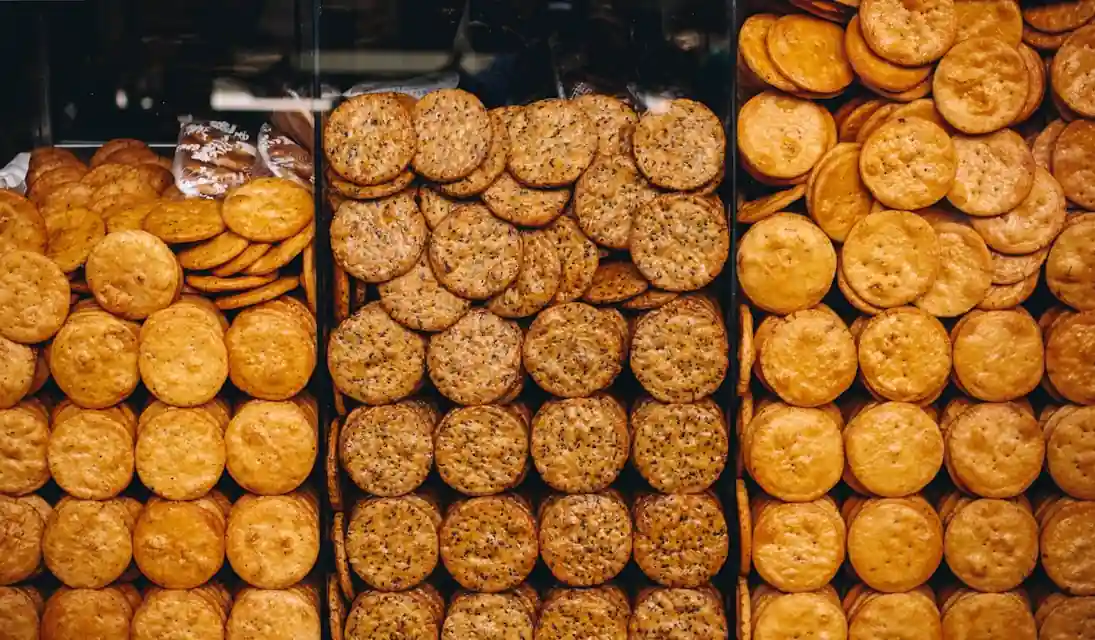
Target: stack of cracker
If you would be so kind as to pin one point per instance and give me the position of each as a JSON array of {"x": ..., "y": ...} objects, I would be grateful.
[
  {"x": 920, "y": 329},
  {"x": 119, "y": 381},
  {"x": 546, "y": 248}
]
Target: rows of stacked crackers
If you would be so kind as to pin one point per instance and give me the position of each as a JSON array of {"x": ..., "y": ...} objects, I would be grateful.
[
  {"x": 918, "y": 349},
  {"x": 127, "y": 392},
  {"x": 553, "y": 248}
]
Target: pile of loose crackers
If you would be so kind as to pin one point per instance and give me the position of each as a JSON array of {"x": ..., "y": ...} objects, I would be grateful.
[
  {"x": 917, "y": 355},
  {"x": 498, "y": 272},
  {"x": 126, "y": 392}
]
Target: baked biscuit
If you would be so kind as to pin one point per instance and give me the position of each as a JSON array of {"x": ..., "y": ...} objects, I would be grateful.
[
  {"x": 995, "y": 450},
  {"x": 679, "y": 448},
  {"x": 827, "y": 68},
  {"x": 388, "y": 450},
  {"x": 18, "y": 367},
  {"x": 477, "y": 360},
  {"x": 478, "y": 616},
  {"x": 991, "y": 545},
  {"x": 894, "y": 544},
  {"x": 891, "y": 258},
  {"x": 678, "y": 550},
  {"x": 377, "y": 240},
  {"x": 893, "y": 449},
  {"x": 482, "y": 450},
  {"x": 24, "y": 522},
  {"x": 784, "y": 286},
  {"x": 454, "y": 135},
  {"x": 965, "y": 271},
  {"x": 97, "y": 477},
  {"x": 584, "y": 613},
  {"x": 980, "y": 85},
  {"x": 88, "y": 543},
  {"x": 391, "y": 543},
  {"x": 1070, "y": 270},
  {"x": 370, "y": 139},
  {"x": 272, "y": 542},
  {"x": 474, "y": 254},
  {"x": 680, "y": 242},
  {"x": 783, "y": 137},
  {"x": 660, "y": 611},
  {"x": 797, "y": 546},
  {"x": 1030, "y": 226},
  {"x": 836, "y": 197},
  {"x": 893, "y": 339},
  {"x": 162, "y": 609},
  {"x": 492, "y": 166},
  {"x": 579, "y": 258},
  {"x": 998, "y": 355},
  {"x": 271, "y": 355},
  {"x": 24, "y": 228},
  {"x": 573, "y": 350},
  {"x": 24, "y": 467},
  {"x": 580, "y": 445},
  {"x": 875, "y": 69},
  {"x": 375, "y": 360},
  {"x": 927, "y": 176},
  {"x": 72, "y": 235},
  {"x": 180, "y": 453},
  {"x": 1060, "y": 617},
  {"x": 180, "y": 545},
  {"x": 585, "y": 539},
  {"x": 190, "y": 220},
  {"x": 679, "y": 352},
  {"x": 873, "y": 614},
  {"x": 680, "y": 146},
  {"x": 536, "y": 284},
  {"x": 995, "y": 173},
  {"x": 489, "y": 544},
  {"x": 271, "y": 447},
  {"x": 1071, "y": 65},
  {"x": 274, "y": 614},
  {"x": 20, "y": 612},
  {"x": 552, "y": 143},
  {"x": 815, "y": 453},
  {"x": 969, "y": 615},
  {"x": 87, "y": 613}
]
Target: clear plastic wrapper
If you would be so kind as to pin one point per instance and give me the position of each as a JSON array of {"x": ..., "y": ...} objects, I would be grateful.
[
  {"x": 212, "y": 157},
  {"x": 281, "y": 156}
]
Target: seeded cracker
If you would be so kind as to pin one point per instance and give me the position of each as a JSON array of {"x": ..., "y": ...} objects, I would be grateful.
[
  {"x": 552, "y": 142},
  {"x": 679, "y": 448},
  {"x": 377, "y": 240},
  {"x": 373, "y": 359},
  {"x": 580, "y": 444},
  {"x": 388, "y": 450},
  {"x": 477, "y": 360},
  {"x": 660, "y": 612},
  {"x": 583, "y": 613},
  {"x": 454, "y": 134},
  {"x": 607, "y": 197},
  {"x": 370, "y": 139},
  {"x": 681, "y": 147},
  {"x": 579, "y": 258},
  {"x": 585, "y": 539},
  {"x": 482, "y": 450},
  {"x": 514, "y": 202},
  {"x": 678, "y": 551},
  {"x": 679, "y": 351},
  {"x": 615, "y": 282},
  {"x": 392, "y": 615},
  {"x": 680, "y": 243},
  {"x": 474, "y": 254},
  {"x": 489, "y": 544},
  {"x": 492, "y": 167},
  {"x": 392, "y": 543},
  {"x": 480, "y": 616},
  {"x": 573, "y": 350},
  {"x": 613, "y": 119},
  {"x": 358, "y": 192}
]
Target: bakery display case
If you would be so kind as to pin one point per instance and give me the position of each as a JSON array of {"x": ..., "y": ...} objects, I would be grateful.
[
  {"x": 909, "y": 304},
  {"x": 323, "y": 319}
]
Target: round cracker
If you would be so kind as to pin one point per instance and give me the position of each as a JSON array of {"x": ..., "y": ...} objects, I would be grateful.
[
  {"x": 215, "y": 284},
  {"x": 377, "y": 240},
  {"x": 761, "y": 208},
  {"x": 87, "y": 543},
  {"x": 921, "y": 181},
  {"x": 615, "y": 282},
  {"x": 265, "y": 293},
  {"x": 536, "y": 284},
  {"x": 909, "y": 35},
  {"x": 753, "y": 47},
  {"x": 298, "y": 615},
  {"x": 388, "y": 450},
  {"x": 681, "y": 146},
  {"x": 676, "y": 550},
  {"x": 211, "y": 253},
  {"x": 418, "y": 301},
  {"x": 1036, "y": 87},
  {"x": 1059, "y": 17},
  {"x": 355, "y": 191},
  {"x": 995, "y": 173},
  {"x": 185, "y": 220},
  {"x": 72, "y": 236},
  {"x": 182, "y": 362},
  {"x": 797, "y": 546},
  {"x": 474, "y": 254},
  {"x": 373, "y": 359},
  {"x": 800, "y": 373},
  {"x": 477, "y": 360},
  {"x": 580, "y": 445},
  {"x": 376, "y": 614},
  {"x": 101, "y": 477},
  {"x": 1070, "y": 268},
  {"x": 133, "y": 274},
  {"x": 896, "y": 337},
  {"x": 912, "y": 440},
  {"x": 489, "y": 544},
  {"x": 22, "y": 545},
  {"x": 970, "y": 533},
  {"x": 573, "y": 350},
  {"x": 284, "y": 252},
  {"x": 1033, "y": 224},
  {"x": 679, "y": 448},
  {"x": 998, "y": 19},
  {"x": 493, "y": 166},
  {"x": 608, "y": 197},
  {"x": 891, "y": 258},
  {"x": 180, "y": 453},
  {"x": 965, "y": 272},
  {"x": 826, "y": 69},
  {"x": 1006, "y": 296},
  {"x": 1011, "y": 269},
  {"x": 268, "y": 209},
  {"x": 272, "y": 542},
  {"x": 34, "y": 297},
  {"x": 514, "y": 202},
  {"x": 270, "y": 446},
  {"x": 93, "y": 359},
  {"x": 21, "y": 225},
  {"x": 585, "y": 540},
  {"x": 578, "y": 255},
  {"x": 370, "y": 139},
  {"x": 161, "y": 610},
  {"x": 783, "y": 137},
  {"x": 895, "y": 527},
  {"x": 1073, "y": 159},
  {"x": 552, "y": 143},
  {"x": 680, "y": 242},
  {"x": 1072, "y": 70},
  {"x": 614, "y": 121},
  {"x": 980, "y": 85},
  {"x": 996, "y": 450},
  {"x": 248, "y": 257},
  {"x": 836, "y": 197},
  {"x": 482, "y": 450},
  {"x": 25, "y": 468},
  {"x": 434, "y": 206},
  {"x": 679, "y": 351},
  {"x": 271, "y": 355},
  {"x": 454, "y": 134},
  {"x": 660, "y": 612},
  {"x": 179, "y": 545},
  {"x": 392, "y": 542},
  {"x": 998, "y": 355},
  {"x": 649, "y": 299}
]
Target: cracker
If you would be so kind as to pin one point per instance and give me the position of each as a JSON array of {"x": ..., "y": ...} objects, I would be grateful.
[
  {"x": 995, "y": 173},
  {"x": 376, "y": 614},
  {"x": 1033, "y": 224},
  {"x": 268, "y": 209},
  {"x": 387, "y": 450},
  {"x": 392, "y": 542},
  {"x": 798, "y": 372},
  {"x": 378, "y": 240},
  {"x": 474, "y": 254},
  {"x": 1011, "y": 269},
  {"x": 1067, "y": 444},
  {"x": 804, "y": 281},
  {"x": 161, "y": 610},
  {"x": 614, "y": 121},
  {"x": 998, "y": 19},
  {"x": 680, "y": 147},
  {"x": 918, "y": 183},
  {"x": 680, "y": 242},
  {"x": 24, "y": 525},
  {"x": 679, "y": 448},
  {"x": 108, "y": 473},
  {"x": 1070, "y": 271},
  {"x": 552, "y": 143},
  {"x": 826, "y": 69},
  {"x": 1006, "y": 296},
  {"x": 490, "y": 543},
  {"x": 998, "y": 355},
  {"x": 180, "y": 454},
  {"x": 836, "y": 197},
  {"x": 766, "y": 207},
  {"x": 370, "y": 139},
  {"x": 965, "y": 272},
  {"x": 1068, "y": 357},
  {"x": 649, "y": 299},
  {"x": 215, "y": 284},
  {"x": 270, "y": 353},
  {"x": 182, "y": 362},
  {"x": 1071, "y": 69},
  {"x": 608, "y": 197},
  {"x": 661, "y": 611},
  {"x": 53, "y": 180},
  {"x": 853, "y": 123},
  {"x": 417, "y": 301},
  {"x": 615, "y": 282},
  {"x": 20, "y": 610},
  {"x": 491, "y": 168},
  {"x": 895, "y": 528},
  {"x": 434, "y": 206},
  {"x": 25, "y": 468},
  {"x": 185, "y": 221},
  {"x": 211, "y": 253},
  {"x": 355, "y": 191},
  {"x": 912, "y": 442},
  {"x": 579, "y": 258},
  {"x": 72, "y": 236},
  {"x": 283, "y": 253},
  {"x": 753, "y": 48},
  {"x": 242, "y": 261},
  {"x": 1044, "y": 143},
  {"x": 477, "y": 360},
  {"x": 909, "y": 35},
  {"x": 677, "y": 550},
  {"x": 21, "y": 225},
  {"x": 679, "y": 351},
  {"x": 133, "y": 274},
  {"x": 536, "y": 284},
  {"x": 1072, "y": 161},
  {"x": 980, "y": 85},
  {"x": 180, "y": 545},
  {"x": 585, "y": 540},
  {"x": 891, "y": 258},
  {"x": 798, "y": 546},
  {"x": 580, "y": 445},
  {"x": 1036, "y": 86},
  {"x": 573, "y": 350},
  {"x": 973, "y": 555},
  {"x": 308, "y": 276},
  {"x": 270, "y": 446},
  {"x": 93, "y": 359},
  {"x": 298, "y": 615},
  {"x": 272, "y": 542},
  {"x": 783, "y": 137},
  {"x": 995, "y": 449},
  {"x": 87, "y": 542},
  {"x": 904, "y": 354},
  {"x": 482, "y": 450},
  {"x": 265, "y": 293},
  {"x": 454, "y": 134},
  {"x": 375, "y": 360},
  {"x": 471, "y": 615},
  {"x": 33, "y": 297},
  {"x": 786, "y": 438},
  {"x": 582, "y": 613},
  {"x": 520, "y": 204},
  {"x": 1059, "y": 17}
]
